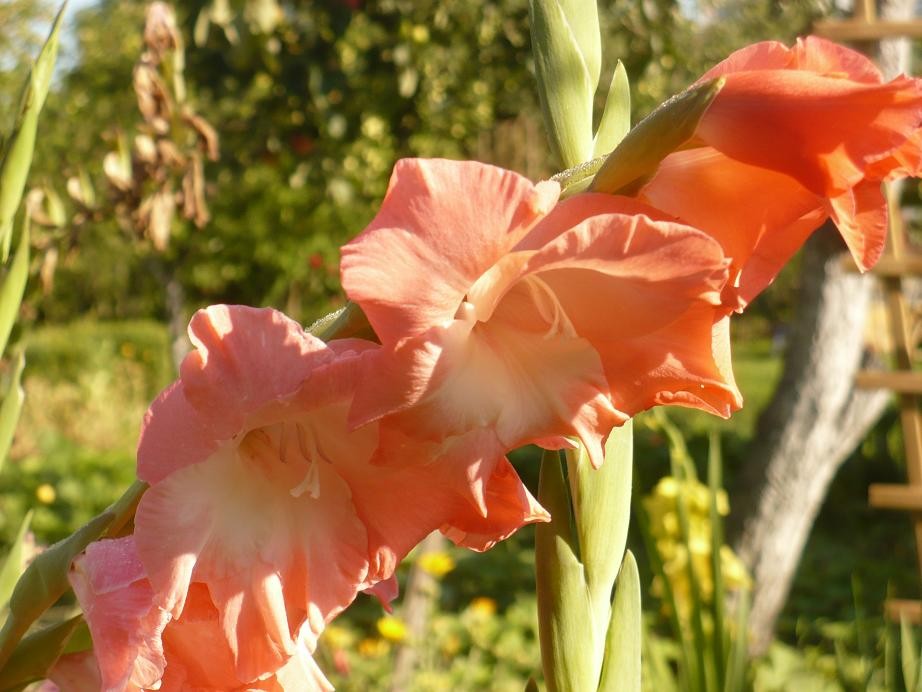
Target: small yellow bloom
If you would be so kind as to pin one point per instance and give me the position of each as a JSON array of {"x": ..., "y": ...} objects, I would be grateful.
[
  {"x": 45, "y": 494},
  {"x": 337, "y": 637},
  {"x": 373, "y": 648},
  {"x": 127, "y": 350},
  {"x": 392, "y": 628},
  {"x": 483, "y": 606},
  {"x": 437, "y": 563}
]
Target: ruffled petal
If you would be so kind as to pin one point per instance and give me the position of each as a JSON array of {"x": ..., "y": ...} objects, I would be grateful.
[
  {"x": 765, "y": 55},
  {"x": 861, "y": 217},
  {"x": 464, "y": 485},
  {"x": 76, "y": 672},
  {"x": 172, "y": 436},
  {"x": 441, "y": 225},
  {"x": 820, "y": 55},
  {"x": 118, "y": 604},
  {"x": 245, "y": 358},
  {"x": 266, "y": 553},
  {"x": 685, "y": 363},
  {"x": 517, "y": 374},
  {"x": 759, "y": 217},
  {"x": 823, "y": 131},
  {"x": 811, "y": 54},
  {"x": 509, "y": 506}
]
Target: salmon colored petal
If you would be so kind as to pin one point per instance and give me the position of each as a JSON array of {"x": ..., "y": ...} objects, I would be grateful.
[
  {"x": 815, "y": 54},
  {"x": 228, "y": 376},
  {"x": 76, "y": 672},
  {"x": 685, "y": 363},
  {"x": 811, "y": 54},
  {"x": 574, "y": 210},
  {"x": 117, "y": 601},
  {"x": 441, "y": 225},
  {"x": 765, "y": 55},
  {"x": 759, "y": 217},
  {"x": 510, "y": 505},
  {"x": 637, "y": 273},
  {"x": 465, "y": 485},
  {"x": 237, "y": 526},
  {"x": 526, "y": 382},
  {"x": 823, "y": 131},
  {"x": 861, "y": 217},
  {"x": 172, "y": 436}
]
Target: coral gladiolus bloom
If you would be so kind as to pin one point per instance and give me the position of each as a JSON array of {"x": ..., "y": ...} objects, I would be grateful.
[
  {"x": 138, "y": 647},
  {"x": 261, "y": 493},
  {"x": 503, "y": 312},
  {"x": 796, "y": 136}
]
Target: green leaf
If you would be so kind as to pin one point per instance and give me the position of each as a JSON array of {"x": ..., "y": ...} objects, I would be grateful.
[
  {"x": 36, "y": 654},
  {"x": 602, "y": 511},
  {"x": 687, "y": 657},
  {"x": 11, "y": 408},
  {"x": 12, "y": 566},
  {"x": 720, "y": 643},
  {"x": 582, "y": 16},
  {"x": 621, "y": 669},
  {"x": 616, "y": 118},
  {"x": 567, "y": 654},
  {"x": 14, "y": 285},
  {"x": 17, "y": 156},
  {"x": 659, "y": 134},
  {"x": 45, "y": 581},
  {"x": 682, "y": 470},
  {"x": 739, "y": 649},
  {"x": 910, "y": 655},
  {"x": 565, "y": 86}
]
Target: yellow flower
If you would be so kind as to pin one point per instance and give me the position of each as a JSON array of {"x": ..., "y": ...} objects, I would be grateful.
[
  {"x": 337, "y": 637},
  {"x": 45, "y": 494},
  {"x": 373, "y": 648},
  {"x": 437, "y": 563},
  {"x": 392, "y": 628},
  {"x": 483, "y": 606}
]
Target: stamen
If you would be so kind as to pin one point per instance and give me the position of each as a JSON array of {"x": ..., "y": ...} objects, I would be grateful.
[
  {"x": 310, "y": 483},
  {"x": 549, "y": 308}
]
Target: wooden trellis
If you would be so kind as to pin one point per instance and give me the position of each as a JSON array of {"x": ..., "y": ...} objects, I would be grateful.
[{"x": 896, "y": 264}]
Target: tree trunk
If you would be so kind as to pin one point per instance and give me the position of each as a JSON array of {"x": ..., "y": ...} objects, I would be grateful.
[
  {"x": 816, "y": 417},
  {"x": 815, "y": 420}
]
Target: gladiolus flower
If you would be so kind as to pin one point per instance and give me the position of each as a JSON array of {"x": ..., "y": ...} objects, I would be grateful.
[
  {"x": 138, "y": 647},
  {"x": 795, "y": 136},
  {"x": 261, "y": 494},
  {"x": 504, "y": 312}
]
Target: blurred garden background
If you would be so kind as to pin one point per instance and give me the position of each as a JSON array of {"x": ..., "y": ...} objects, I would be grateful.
[{"x": 279, "y": 132}]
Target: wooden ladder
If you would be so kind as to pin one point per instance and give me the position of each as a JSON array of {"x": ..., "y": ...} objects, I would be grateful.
[{"x": 896, "y": 264}]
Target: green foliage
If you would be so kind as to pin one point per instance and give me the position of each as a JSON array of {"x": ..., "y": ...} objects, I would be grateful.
[
  {"x": 87, "y": 387},
  {"x": 683, "y": 533}
]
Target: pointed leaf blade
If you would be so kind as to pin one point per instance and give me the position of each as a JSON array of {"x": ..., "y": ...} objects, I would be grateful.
[
  {"x": 563, "y": 601},
  {"x": 11, "y": 408},
  {"x": 14, "y": 285},
  {"x": 602, "y": 507},
  {"x": 622, "y": 666},
  {"x": 616, "y": 117},
  {"x": 17, "y": 156},
  {"x": 12, "y": 565},
  {"x": 36, "y": 654},
  {"x": 564, "y": 83}
]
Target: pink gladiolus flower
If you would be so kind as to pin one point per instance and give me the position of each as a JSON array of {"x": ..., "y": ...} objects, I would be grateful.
[
  {"x": 261, "y": 494},
  {"x": 796, "y": 136},
  {"x": 506, "y": 315},
  {"x": 138, "y": 647}
]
